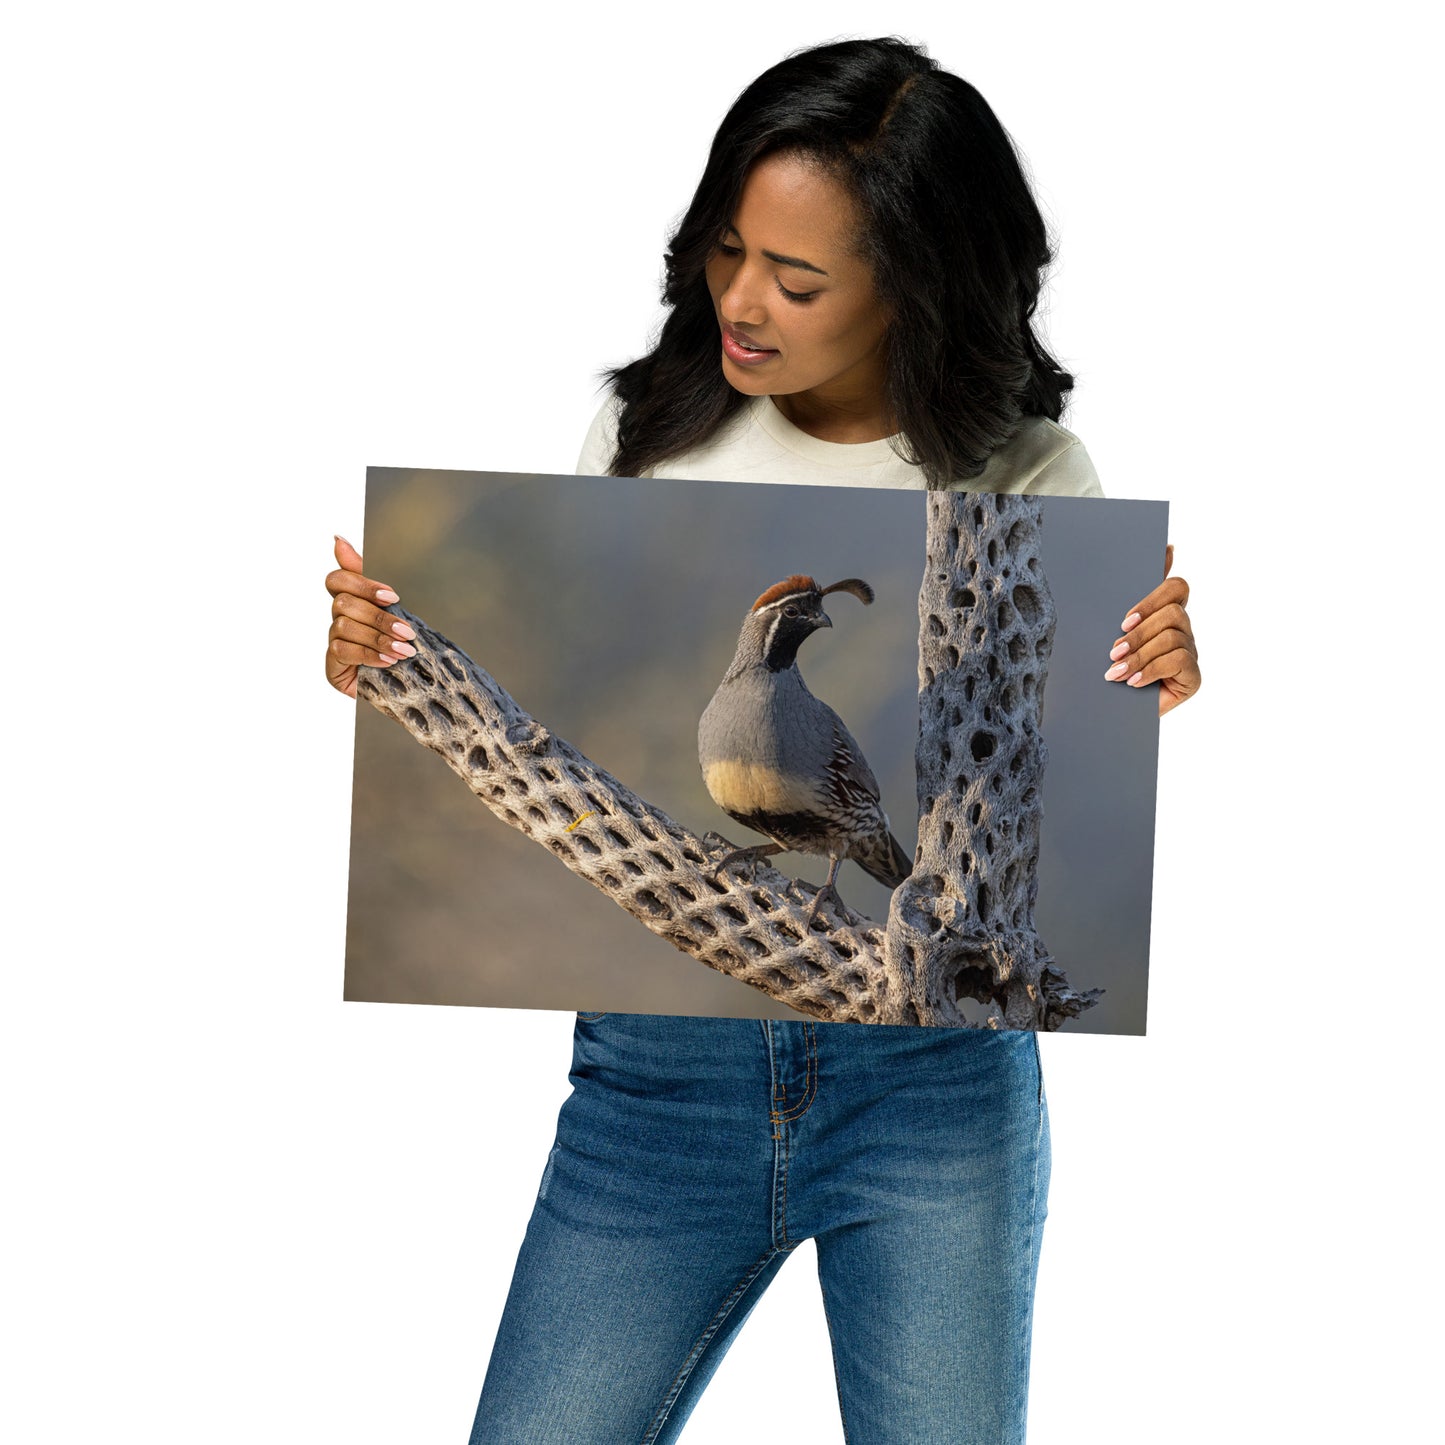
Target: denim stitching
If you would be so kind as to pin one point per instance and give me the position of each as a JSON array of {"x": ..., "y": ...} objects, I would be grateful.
[
  {"x": 810, "y": 1081},
  {"x": 1023, "y": 1341},
  {"x": 703, "y": 1340}
]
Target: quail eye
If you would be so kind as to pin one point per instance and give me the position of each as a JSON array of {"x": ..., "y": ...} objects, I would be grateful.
[{"x": 790, "y": 610}]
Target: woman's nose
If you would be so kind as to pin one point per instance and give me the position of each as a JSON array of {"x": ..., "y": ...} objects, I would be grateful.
[{"x": 742, "y": 300}]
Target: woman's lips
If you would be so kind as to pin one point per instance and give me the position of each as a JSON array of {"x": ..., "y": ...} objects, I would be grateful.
[{"x": 741, "y": 348}]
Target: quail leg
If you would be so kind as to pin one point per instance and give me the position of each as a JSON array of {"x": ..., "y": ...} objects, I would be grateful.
[
  {"x": 827, "y": 891},
  {"x": 761, "y": 850}
]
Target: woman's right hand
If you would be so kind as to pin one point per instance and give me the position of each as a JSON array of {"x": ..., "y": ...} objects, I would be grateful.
[{"x": 362, "y": 633}]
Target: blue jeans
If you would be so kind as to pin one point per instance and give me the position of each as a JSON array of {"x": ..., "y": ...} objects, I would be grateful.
[{"x": 694, "y": 1155}]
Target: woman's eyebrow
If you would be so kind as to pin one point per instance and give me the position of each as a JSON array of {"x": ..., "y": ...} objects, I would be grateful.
[{"x": 794, "y": 261}]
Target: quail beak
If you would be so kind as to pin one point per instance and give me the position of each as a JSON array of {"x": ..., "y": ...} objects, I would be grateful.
[{"x": 822, "y": 620}]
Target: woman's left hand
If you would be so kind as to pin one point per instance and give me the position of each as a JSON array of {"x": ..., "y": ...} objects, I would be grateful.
[{"x": 1158, "y": 643}]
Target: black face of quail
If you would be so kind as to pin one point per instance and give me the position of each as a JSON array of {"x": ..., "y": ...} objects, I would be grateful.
[{"x": 794, "y": 622}]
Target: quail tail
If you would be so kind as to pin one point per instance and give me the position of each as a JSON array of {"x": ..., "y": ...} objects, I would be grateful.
[{"x": 882, "y": 858}]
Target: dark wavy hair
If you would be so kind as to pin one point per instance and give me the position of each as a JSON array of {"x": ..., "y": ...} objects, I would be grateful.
[{"x": 951, "y": 230}]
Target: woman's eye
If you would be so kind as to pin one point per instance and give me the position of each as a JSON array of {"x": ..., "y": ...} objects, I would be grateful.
[
  {"x": 796, "y": 295},
  {"x": 723, "y": 249}
]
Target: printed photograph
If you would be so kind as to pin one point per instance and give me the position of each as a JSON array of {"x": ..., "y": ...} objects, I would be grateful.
[{"x": 732, "y": 749}]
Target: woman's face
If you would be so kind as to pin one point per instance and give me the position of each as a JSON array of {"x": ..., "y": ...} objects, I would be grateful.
[{"x": 795, "y": 304}]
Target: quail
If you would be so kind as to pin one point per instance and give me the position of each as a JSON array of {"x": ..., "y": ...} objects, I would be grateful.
[{"x": 781, "y": 762}]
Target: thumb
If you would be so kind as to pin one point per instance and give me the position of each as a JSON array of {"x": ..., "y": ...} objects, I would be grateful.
[
  {"x": 1168, "y": 558},
  {"x": 347, "y": 556}
]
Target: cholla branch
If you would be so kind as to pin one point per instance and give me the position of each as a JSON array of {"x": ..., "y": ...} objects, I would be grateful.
[
  {"x": 645, "y": 861},
  {"x": 962, "y": 926}
]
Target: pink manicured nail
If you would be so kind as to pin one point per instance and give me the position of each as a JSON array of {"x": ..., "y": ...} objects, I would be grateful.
[
  {"x": 388, "y": 659},
  {"x": 1132, "y": 620},
  {"x": 340, "y": 538},
  {"x": 403, "y": 649},
  {"x": 385, "y": 594},
  {"x": 1116, "y": 672},
  {"x": 1136, "y": 679},
  {"x": 1121, "y": 649},
  {"x": 402, "y": 630}
]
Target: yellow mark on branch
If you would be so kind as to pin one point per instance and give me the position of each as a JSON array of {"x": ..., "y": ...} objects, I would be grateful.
[{"x": 570, "y": 826}]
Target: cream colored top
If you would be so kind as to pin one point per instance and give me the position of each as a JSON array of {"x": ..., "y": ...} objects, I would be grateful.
[{"x": 759, "y": 444}]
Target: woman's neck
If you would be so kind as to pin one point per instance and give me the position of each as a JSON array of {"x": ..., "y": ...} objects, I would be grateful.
[{"x": 837, "y": 421}]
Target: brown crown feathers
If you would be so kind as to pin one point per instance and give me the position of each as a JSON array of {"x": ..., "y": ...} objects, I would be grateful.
[{"x": 799, "y": 584}]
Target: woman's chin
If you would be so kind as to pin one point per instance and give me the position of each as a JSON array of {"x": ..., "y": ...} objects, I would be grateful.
[{"x": 747, "y": 381}]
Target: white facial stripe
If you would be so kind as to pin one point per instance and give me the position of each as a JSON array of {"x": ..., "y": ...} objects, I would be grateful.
[{"x": 780, "y": 602}]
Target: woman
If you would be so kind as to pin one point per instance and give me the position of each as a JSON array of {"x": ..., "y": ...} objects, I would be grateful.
[{"x": 850, "y": 299}]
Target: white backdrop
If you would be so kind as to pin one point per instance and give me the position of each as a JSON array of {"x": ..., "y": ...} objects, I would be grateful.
[{"x": 251, "y": 249}]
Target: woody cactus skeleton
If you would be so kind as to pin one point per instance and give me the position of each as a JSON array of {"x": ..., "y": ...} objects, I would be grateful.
[{"x": 960, "y": 928}]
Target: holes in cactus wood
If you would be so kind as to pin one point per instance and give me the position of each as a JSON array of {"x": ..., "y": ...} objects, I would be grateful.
[
  {"x": 962, "y": 598},
  {"x": 752, "y": 946},
  {"x": 684, "y": 893},
  {"x": 662, "y": 860},
  {"x": 1026, "y": 600},
  {"x": 1005, "y": 616},
  {"x": 729, "y": 910},
  {"x": 586, "y": 845},
  {"x": 981, "y": 745},
  {"x": 935, "y": 627},
  {"x": 648, "y": 900},
  {"x": 416, "y": 718},
  {"x": 631, "y": 869},
  {"x": 1018, "y": 649},
  {"x": 478, "y": 760}
]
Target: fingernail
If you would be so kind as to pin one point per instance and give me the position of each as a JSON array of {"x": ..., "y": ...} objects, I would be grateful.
[
  {"x": 1120, "y": 649},
  {"x": 402, "y": 630},
  {"x": 388, "y": 659},
  {"x": 1132, "y": 620},
  {"x": 1116, "y": 672},
  {"x": 338, "y": 537},
  {"x": 403, "y": 649},
  {"x": 1136, "y": 679},
  {"x": 385, "y": 594}
]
